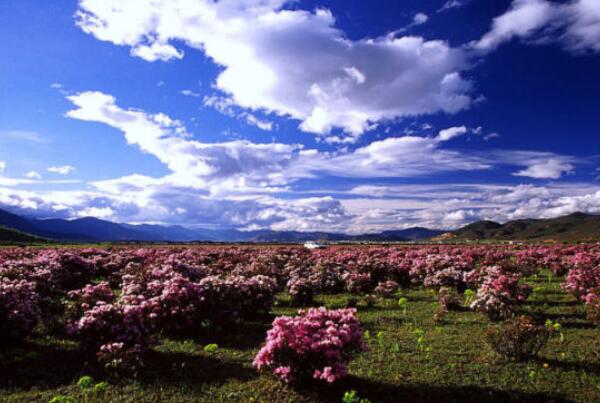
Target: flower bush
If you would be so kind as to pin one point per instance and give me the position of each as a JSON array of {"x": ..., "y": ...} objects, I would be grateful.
[
  {"x": 327, "y": 277},
  {"x": 110, "y": 323},
  {"x": 386, "y": 289},
  {"x": 583, "y": 281},
  {"x": 119, "y": 359},
  {"x": 19, "y": 308},
  {"x": 318, "y": 343},
  {"x": 301, "y": 290},
  {"x": 358, "y": 283},
  {"x": 518, "y": 338},
  {"x": 235, "y": 297},
  {"x": 118, "y": 334},
  {"x": 85, "y": 298},
  {"x": 592, "y": 309},
  {"x": 449, "y": 299},
  {"x": 499, "y": 293}
]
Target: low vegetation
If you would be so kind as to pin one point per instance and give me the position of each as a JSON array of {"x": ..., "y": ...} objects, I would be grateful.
[{"x": 191, "y": 325}]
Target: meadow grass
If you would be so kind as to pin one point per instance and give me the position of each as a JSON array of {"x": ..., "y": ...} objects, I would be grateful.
[{"x": 451, "y": 362}]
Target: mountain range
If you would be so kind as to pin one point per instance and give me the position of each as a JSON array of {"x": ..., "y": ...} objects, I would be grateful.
[
  {"x": 91, "y": 229},
  {"x": 17, "y": 228}
]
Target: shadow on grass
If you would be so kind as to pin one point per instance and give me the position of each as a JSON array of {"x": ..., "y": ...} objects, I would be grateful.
[
  {"x": 192, "y": 371},
  {"x": 247, "y": 335},
  {"x": 43, "y": 367},
  {"x": 551, "y": 303},
  {"x": 413, "y": 298},
  {"x": 567, "y": 320},
  {"x": 417, "y": 393},
  {"x": 577, "y": 325},
  {"x": 578, "y": 365},
  {"x": 377, "y": 308}
]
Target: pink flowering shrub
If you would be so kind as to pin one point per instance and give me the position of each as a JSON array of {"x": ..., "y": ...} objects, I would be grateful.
[
  {"x": 118, "y": 334},
  {"x": 234, "y": 297},
  {"x": 85, "y": 298},
  {"x": 592, "y": 308},
  {"x": 110, "y": 323},
  {"x": 318, "y": 343},
  {"x": 300, "y": 289},
  {"x": 446, "y": 277},
  {"x": 166, "y": 298},
  {"x": 175, "y": 303},
  {"x": 358, "y": 283},
  {"x": 19, "y": 308},
  {"x": 327, "y": 277},
  {"x": 386, "y": 289},
  {"x": 499, "y": 293},
  {"x": 449, "y": 299},
  {"x": 120, "y": 359},
  {"x": 582, "y": 280},
  {"x": 474, "y": 278}
]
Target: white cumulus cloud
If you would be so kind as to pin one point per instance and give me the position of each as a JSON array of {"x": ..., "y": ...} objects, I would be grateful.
[
  {"x": 546, "y": 169},
  {"x": 290, "y": 61}
]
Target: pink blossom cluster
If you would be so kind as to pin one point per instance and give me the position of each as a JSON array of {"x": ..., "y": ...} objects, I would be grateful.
[
  {"x": 166, "y": 298},
  {"x": 121, "y": 359},
  {"x": 301, "y": 289},
  {"x": 386, "y": 289},
  {"x": 327, "y": 276},
  {"x": 583, "y": 281},
  {"x": 85, "y": 298},
  {"x": 443, "y": 270},
  {"x": 236, "y": 296},
  {"x": 106, "y": 323},
  {"x": 318, "y": 343},
  {"x": 19, "y": 307},
  {"x": 358, "y": 283},
  {"x": 499, "y": 293}
]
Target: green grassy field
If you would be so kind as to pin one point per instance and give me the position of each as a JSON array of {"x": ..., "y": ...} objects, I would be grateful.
[{"x": 453, "y": 364}]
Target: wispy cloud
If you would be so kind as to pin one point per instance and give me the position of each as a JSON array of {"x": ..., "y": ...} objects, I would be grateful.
[
  {"x": 452, "y": 4},
  {"x": 190, "y": 93},
  {"x": 62, "y": 169},
  {"x": 254, "y": 121},
  {"x": 574, "y": 24},
  {"x": 23, "y": 135}
]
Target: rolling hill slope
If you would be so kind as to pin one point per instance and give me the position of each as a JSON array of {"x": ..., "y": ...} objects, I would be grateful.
[
  {"x": 8, "y": 235},
  {"x": 572, "y": 227}
]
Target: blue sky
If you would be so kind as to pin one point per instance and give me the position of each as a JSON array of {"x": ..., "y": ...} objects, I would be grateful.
[{"x": 304, "y": 115}]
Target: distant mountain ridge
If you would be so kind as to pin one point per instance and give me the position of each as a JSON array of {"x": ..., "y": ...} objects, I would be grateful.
[
  {"x": 572, "y": 227},
  {"x": 91, "y": 229}
]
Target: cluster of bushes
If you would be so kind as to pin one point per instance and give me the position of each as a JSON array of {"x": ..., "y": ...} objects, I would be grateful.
[{"x": 118, "y": 302}]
